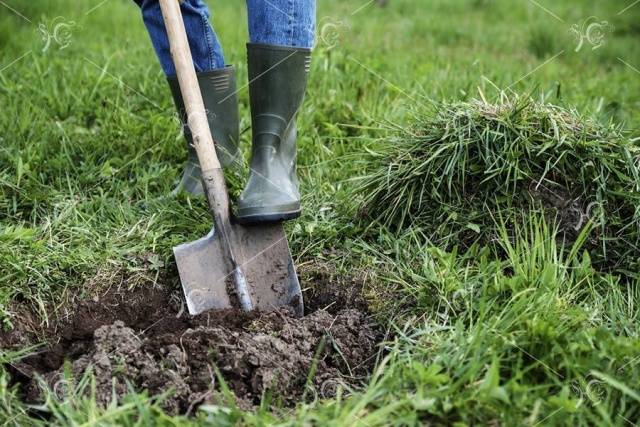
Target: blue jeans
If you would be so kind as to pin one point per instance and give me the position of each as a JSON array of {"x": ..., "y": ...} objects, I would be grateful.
[{"x": 275, "y": 22}]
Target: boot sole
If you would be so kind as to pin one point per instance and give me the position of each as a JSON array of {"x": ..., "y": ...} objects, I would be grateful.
[{"x": 261, "y": 216}]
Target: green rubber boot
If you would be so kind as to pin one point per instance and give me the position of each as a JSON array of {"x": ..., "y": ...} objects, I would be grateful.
[
  {"x": 277, "y": 81},
  {"x": 218, "y": 89}
]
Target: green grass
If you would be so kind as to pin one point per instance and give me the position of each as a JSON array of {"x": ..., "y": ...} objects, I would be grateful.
[
  {"x": 526, "y": 330},
  {"x": 464, "y": 164}
]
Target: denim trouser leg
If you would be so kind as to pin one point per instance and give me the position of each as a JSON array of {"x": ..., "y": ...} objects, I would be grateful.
[
  {"x": 278, "y": 22},
  {"x": 205, "y": 48},
  {"x": 282, "y": 22}
]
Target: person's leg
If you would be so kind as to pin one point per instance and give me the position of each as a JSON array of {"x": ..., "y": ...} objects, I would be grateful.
[
  {"x": 282, "y": 34},
  {"x": 217, "y": 84},
  {"x": 282, "y": 22},
  {"x": 205, "y": 48}
]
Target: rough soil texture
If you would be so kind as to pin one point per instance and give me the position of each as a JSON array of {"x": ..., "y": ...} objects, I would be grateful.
[
  {"x": 561, "y": 208},
  {"x": 146, "y": 338}
]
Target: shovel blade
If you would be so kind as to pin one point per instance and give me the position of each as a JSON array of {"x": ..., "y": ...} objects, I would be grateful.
[{"x": 262, "y": 251}]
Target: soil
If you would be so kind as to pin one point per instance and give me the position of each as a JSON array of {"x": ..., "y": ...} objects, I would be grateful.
[
  {"x": 569, "y": 213},
  {"x": 145, "y": 338}
]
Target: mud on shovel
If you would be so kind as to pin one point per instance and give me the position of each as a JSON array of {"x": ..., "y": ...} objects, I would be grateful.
[{"x": 247, "y": 267}]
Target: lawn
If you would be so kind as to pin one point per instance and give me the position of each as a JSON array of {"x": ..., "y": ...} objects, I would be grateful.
[{"x": 490, "y": 308}]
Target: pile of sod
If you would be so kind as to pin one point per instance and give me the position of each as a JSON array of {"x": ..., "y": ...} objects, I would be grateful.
[{"x": 464, "y": 169}]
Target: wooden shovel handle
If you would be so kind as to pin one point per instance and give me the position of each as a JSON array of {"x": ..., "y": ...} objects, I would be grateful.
[
  {"x": 196, "y": 114},
  {"x": 212, "y": 175}
]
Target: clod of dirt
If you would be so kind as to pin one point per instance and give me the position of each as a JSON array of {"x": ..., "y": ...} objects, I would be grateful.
[{"x": 165, "y": 350}]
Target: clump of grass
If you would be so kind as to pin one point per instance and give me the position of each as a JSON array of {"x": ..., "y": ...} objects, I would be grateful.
[{"x": 462, "y": 165}]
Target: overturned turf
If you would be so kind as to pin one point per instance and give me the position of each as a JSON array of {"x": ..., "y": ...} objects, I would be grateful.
[
  {"x": 145, "y": 338},
  {"x": 465, "y": 168}
]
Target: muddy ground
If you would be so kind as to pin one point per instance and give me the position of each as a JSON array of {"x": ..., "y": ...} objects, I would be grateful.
[{"x": 145, "y": 337}]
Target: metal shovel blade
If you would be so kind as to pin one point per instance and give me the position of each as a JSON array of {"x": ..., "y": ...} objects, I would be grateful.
[{"x": 262, "y": 251}]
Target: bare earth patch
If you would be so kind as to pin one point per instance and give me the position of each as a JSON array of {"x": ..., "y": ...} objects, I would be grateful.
[{"x": 146, "y": 338}]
